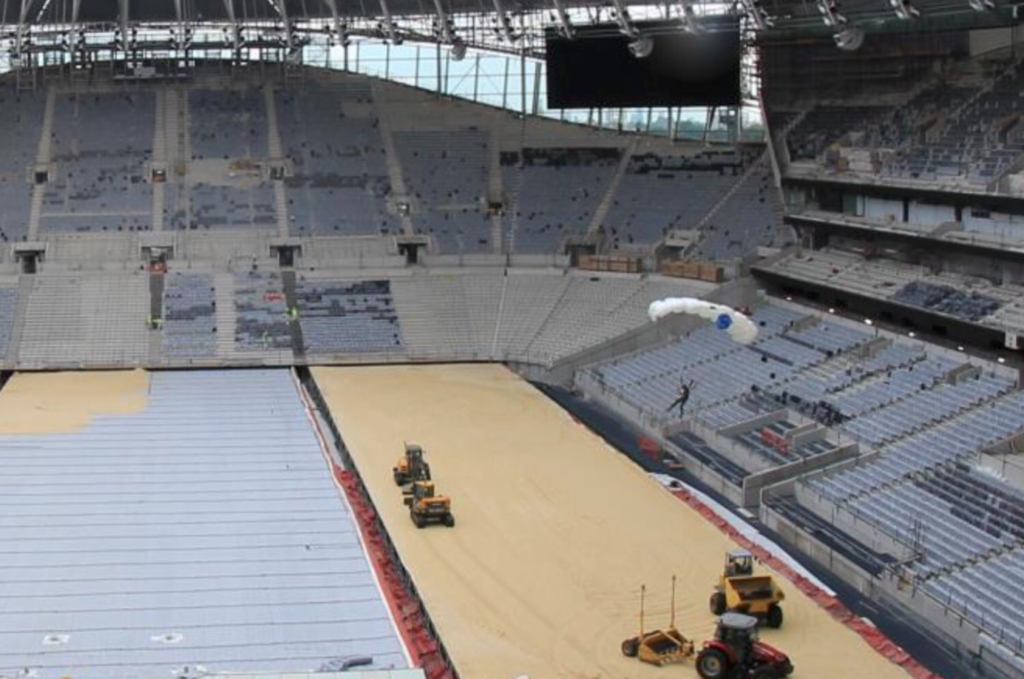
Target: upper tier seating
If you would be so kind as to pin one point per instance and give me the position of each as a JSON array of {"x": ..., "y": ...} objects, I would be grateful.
[
  {"x": 101, "y": 144},
  {"x": 22, "y": 113},
  {"x": 554, "y": 192},
  {"x": 648, "y": 205},
  {"x": 340, "y": 184},
  {"x": 446, "y": 173}
]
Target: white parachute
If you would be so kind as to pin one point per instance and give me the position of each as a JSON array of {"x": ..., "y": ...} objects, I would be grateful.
[{"x": 739, "y": 326}]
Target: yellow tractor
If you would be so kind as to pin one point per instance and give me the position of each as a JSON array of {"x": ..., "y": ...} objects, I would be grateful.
[
  {"x": 411, "y": 467},
  {"x": 660, "y": 647},
  {"x": 425, "y": 507},
  {"x": 740, "y": 591}
]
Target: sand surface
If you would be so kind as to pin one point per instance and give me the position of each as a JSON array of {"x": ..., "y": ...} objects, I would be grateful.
[
  {"x": 555, "y": 532},
  {"x": 44, "y": 403}
]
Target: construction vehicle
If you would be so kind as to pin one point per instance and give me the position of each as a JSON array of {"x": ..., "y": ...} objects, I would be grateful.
[
  {"x": 736, "y": 652},
  {"x": 660, "y": 647},
  {"x": 740, "y": 591},
  {"x": 425, "y": 507},
  {"x": 411, "y": 467}
]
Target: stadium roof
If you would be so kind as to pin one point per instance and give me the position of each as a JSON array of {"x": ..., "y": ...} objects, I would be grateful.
[
  {"x": 109, "y": 11},
  {"x": 879, "y": 15},
  {"x": 803, "y": 16}
]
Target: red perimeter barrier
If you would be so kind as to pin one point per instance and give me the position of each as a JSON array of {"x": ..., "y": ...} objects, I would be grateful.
[
  {"x": 405, "y": 606},
  {"x": 874, "y": 638}
]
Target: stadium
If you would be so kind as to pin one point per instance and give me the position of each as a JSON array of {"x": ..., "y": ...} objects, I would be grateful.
[{"x": 515, "y": 339}]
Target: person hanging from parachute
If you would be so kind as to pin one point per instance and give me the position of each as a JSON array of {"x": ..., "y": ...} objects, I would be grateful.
[
  {"x": 737, "y": 324},
  {"x": 685, "y": 388}
]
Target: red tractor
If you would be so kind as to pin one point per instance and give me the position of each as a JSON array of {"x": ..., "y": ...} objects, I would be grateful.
[{"x": 736, "y": 652}]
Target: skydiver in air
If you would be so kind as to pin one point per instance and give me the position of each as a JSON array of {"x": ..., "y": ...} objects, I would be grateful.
[{"x": 684, "y": 396}]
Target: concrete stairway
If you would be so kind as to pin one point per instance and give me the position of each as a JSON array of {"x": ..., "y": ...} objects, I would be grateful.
[{"x": 227, "y": 316}]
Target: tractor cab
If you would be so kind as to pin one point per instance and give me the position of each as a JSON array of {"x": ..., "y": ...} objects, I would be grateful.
[
  {"x": 739, "y": 590},
  {"x": 738, "y": 632},
  {"x": 426, "y": 507},
  {"x": 736, "y": 652},
  {"x": 739, "y": 562},
  {"x": 422, "y": 490},
  {"x": 411, "y": 466}
]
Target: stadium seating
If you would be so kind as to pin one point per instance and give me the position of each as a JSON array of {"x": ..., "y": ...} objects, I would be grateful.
[
  {"x": 946, "y": 441},
  {"x": 825, "y": 125},
  {"x": 222, "y": 207},
  {"x": 347, "y": 317},
  {"x": 552, "y": 193},
  {"x": 970, "y": 144},
  {"x": 101, "y": 144},
  {"x": 228, "y": 123},
  {"x": 953, "y": 131},
  {"x": 340, "y": 183},
  {"x": 988, "y": 593},
  {"x": 85, "y": 319},
  {"x": 924, "y": 408},
  {"x": 8, "y": 309},
  {"x": 978, "y": 498},
  {"x": 22, "y": 113},
  {"x": 262, "y": 313},
  {"x": 946, "y": 299},
  {"x": 189, "y": 323},
  {"x": 908, "y": 122},
  {"x": 646, "y": 205},
  {"x": 750, "y": 216},
  {"x": 965, "y": 297},
  {"x": 446, "y": 173}
]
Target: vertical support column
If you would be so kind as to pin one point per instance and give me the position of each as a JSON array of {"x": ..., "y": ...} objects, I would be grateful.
[
  {"x": 522, "y": 81},
  {"x": 536, "y": 88},
  {"x": 43, "y": 155},
  {"x": 504, "y": 89}
]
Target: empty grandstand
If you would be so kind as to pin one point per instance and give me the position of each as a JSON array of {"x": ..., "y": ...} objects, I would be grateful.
[{"x": 249, "y": 250}]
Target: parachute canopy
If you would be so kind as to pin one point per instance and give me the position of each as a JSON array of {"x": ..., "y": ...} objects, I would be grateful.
[{"x": 739, "y": 326}]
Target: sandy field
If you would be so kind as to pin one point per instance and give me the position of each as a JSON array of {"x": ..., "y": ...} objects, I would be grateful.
[
  {"x": 44, "y": 403},
  {"x": 555, "y": 532}
]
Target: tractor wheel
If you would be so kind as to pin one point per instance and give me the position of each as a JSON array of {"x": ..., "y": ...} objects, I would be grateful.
[
  {"x": 418, "y": 519},
  {"x": 718, "y": 603},
  {"x": 449, "y": 520},
  {"x": 399, "y": 479},
  {"x": 631, "y": 647},
  {"x": 774, "y": 618},
  {"x": 712, "y": 664}
]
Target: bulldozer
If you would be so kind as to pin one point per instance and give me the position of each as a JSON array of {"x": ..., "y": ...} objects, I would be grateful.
[
  {"x": 660, "y": 647},
  {"x": 740, "y": 591},
  {"x": 425, "y": 507},
  {"x": 411, "y": 467},
  {"x": 736, "y": 652}
]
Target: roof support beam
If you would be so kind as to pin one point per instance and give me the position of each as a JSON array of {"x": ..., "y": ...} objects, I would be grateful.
[
  {"x": 183, "y": 32},
  {"x": 442, "y": 17},
  {"x": 688, "y": 17},
  {"x": 389, "y": 23},
  {"x": 622, "y": 17},
  {"x": 339, "y": 29},
  {"x": 563, "y": 20},
  {"x": 236, "y": 34},
  {"x": 19, "y": 35},
  {"x": 504, "y": 23},
  {"x": 282, "y": 9},
  {"x": 76, "y": 30},
  {"x": 123, "y": 14}
]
